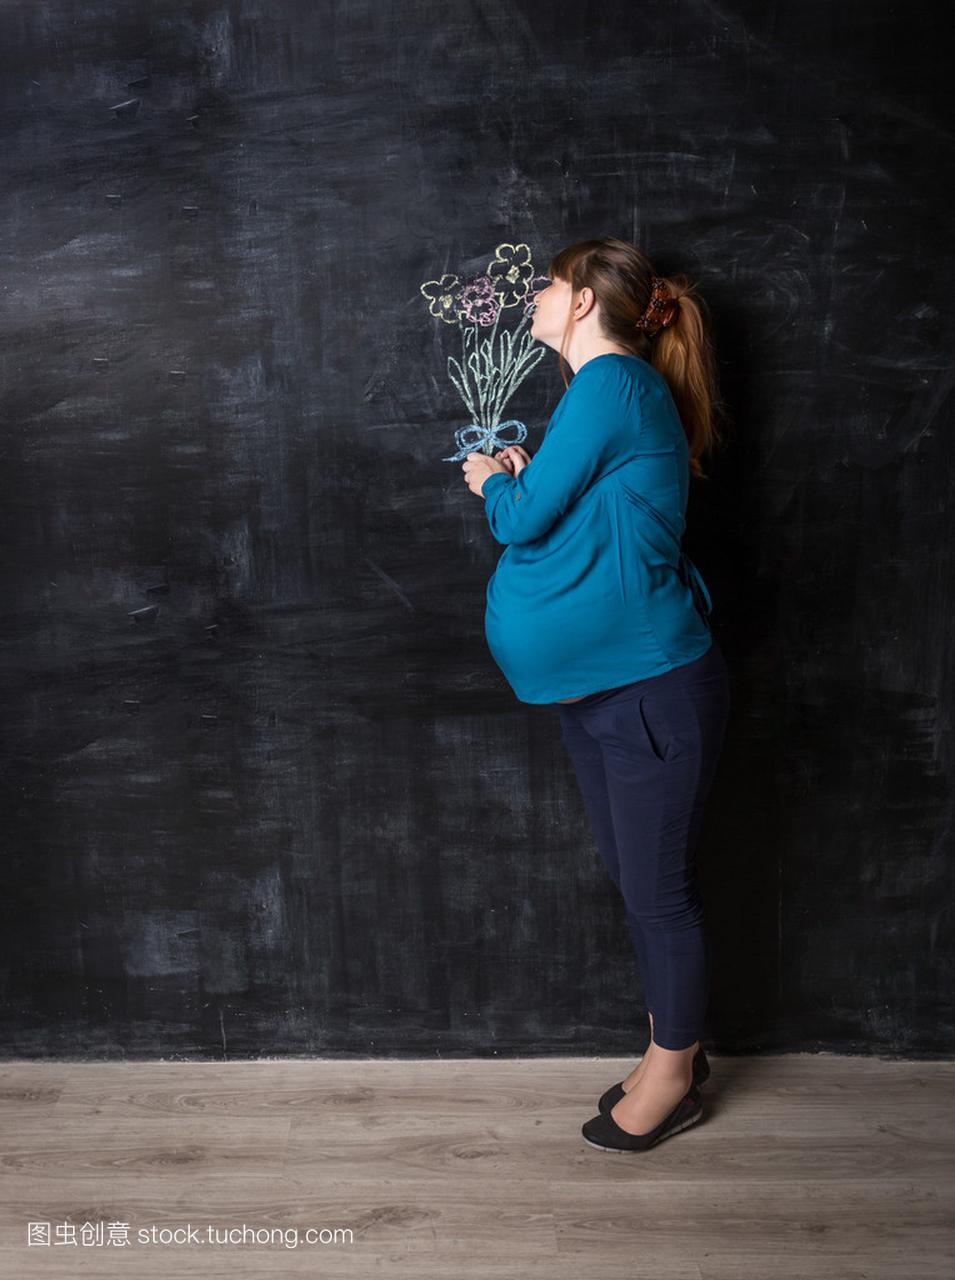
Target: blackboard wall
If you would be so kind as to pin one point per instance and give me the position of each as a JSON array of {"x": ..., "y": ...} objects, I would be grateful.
[{"x": 296, "y": 810}]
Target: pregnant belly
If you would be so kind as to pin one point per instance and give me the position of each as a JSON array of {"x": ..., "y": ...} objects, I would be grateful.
[{"x": 545, "y": 633}]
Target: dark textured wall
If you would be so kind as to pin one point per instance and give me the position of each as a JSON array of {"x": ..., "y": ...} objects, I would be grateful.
[{"x": 296, "y": 809}]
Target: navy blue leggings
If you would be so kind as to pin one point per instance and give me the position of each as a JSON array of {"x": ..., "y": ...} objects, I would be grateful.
[{"x": 644, "y": 756}]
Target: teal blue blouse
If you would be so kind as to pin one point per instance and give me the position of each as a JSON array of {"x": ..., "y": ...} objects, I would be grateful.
[{"x": 592, "y": 590}]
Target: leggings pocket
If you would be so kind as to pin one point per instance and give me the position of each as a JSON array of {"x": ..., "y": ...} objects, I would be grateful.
[
  {"x": 661, "y": 726},
  {"x": 685, "y": 721},
  {"x": 666, "y": 721}
]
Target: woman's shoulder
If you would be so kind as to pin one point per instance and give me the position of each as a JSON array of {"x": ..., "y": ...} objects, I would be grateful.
[
  {"x": 631, "y": 389},
  {"x": 618, "y": 386},
  {"x": 613, "y": 370}
]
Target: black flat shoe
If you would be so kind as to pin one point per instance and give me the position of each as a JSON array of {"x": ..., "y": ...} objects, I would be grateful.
[
  {"x": 701, "y": 1073},
  {"x": 604, "y": 1132}
]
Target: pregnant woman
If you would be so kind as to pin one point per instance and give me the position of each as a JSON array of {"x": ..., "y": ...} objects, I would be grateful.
[{"x": 594, "y": 608}]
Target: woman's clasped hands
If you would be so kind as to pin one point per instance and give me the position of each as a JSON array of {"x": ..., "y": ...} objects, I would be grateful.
[{"x": 478, "y": 466}]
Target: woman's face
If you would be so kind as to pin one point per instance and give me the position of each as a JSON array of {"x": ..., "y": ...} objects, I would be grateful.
[{"x": 550, "y": 312}]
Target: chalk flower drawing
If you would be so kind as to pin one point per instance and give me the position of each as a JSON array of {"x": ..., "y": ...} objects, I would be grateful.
[{"x": 496, "y": 361}]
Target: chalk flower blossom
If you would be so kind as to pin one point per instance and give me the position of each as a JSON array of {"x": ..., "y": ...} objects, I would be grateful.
[
  {"x": 512, "y": 272},
  {"x": 493, "y": 365}
]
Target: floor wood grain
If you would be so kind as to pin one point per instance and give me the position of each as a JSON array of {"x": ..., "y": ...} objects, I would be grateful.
[{"x": 805, "y": 1166}]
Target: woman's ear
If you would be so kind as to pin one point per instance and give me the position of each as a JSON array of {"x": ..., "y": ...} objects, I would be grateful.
[{"x": 585, "y": 300}]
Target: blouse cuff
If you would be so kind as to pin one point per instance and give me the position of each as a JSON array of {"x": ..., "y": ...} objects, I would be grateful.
[{"x": 494, "y": 475}]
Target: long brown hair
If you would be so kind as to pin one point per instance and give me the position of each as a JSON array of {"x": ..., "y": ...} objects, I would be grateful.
[{"x": 620, "y": 276}]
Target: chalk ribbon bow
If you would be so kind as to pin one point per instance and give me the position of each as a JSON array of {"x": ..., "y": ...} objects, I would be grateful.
[{"x": 469, "y": 438}]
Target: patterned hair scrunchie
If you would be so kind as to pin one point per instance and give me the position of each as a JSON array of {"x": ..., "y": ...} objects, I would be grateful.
[{"x": 662, "y": 309}]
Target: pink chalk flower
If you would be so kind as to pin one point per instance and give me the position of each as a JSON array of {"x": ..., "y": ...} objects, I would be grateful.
[{"x": 478, "y": 301}]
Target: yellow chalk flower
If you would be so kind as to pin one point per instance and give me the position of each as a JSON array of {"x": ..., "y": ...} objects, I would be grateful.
[{"x": 512, "y": 271}]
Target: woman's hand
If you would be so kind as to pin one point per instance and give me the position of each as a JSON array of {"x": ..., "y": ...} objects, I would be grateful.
[
  {"x": 477, "y": 467},
  {"x": 514, "y": 458}
]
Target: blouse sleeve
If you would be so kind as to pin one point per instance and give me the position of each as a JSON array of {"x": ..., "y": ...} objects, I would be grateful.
[{"x": 587, "y": 437}]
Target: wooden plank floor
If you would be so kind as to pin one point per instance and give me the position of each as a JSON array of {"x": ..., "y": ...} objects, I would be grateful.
[{"x": 805, "y": 1166}]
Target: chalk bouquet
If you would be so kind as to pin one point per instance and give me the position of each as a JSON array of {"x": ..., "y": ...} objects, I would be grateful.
[{"x": 493, "y": 364}]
